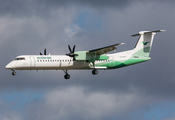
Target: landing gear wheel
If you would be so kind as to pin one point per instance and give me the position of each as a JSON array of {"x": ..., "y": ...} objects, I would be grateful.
[
  {"x": 13, "y": 73},
  {"x": 67, "y": 76},
  {"x": 94, "y": 72}
]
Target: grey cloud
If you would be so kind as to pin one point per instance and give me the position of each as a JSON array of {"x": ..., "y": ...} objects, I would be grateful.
[
  {"x": 94, "y": 3},
  {"x": 44, "y": 8},
  {"x": 75, "y": 103},
  {"x": 7, "y": 112},
  {"x": 118, "y": 4},
  {"x": 15, "y": 7}
]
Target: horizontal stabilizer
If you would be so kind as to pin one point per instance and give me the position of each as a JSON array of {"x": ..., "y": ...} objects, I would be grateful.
[{"x": 147, "y": 32}]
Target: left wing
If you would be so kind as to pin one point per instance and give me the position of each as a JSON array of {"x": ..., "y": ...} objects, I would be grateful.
[{"x": 105, "y": 50}]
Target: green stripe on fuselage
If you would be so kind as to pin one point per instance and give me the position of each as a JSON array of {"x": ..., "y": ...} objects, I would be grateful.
[{"x": 119, "y": 64}]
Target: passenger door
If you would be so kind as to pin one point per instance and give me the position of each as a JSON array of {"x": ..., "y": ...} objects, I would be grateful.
[{"x": 32, "y": 61}]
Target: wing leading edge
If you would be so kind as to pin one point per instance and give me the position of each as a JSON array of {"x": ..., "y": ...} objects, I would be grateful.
[{"x": 105, "y": 50}]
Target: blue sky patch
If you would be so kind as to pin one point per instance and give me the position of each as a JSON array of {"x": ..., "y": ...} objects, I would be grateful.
[
  {"x": 20, "y": 98},
  {"x": 158, "y": 111},
  {"x": 88, "y": 21}
]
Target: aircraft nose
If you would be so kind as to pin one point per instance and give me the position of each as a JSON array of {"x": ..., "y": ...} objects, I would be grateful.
[{"x": 8, "y": 66}]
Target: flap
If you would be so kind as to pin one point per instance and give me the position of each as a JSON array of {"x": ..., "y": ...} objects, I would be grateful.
[{"x": 105, "y": 50}]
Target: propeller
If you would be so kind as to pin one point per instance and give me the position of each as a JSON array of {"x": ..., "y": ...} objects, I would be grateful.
[
  {"x": 44, "y": 52},
  {"x": 71, "y": 54}
]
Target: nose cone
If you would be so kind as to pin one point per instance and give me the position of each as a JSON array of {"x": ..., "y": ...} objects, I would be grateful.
[{"x": 9, "y": 66}]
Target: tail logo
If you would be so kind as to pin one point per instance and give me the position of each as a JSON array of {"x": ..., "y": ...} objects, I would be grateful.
[{"x": 145, "y": 43}]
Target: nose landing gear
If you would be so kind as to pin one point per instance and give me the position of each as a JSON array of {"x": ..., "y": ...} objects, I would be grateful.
[{"x": 13, "y": 73}]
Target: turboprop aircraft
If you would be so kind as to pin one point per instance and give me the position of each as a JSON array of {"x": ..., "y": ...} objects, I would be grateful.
[{"x": 96, "y": 59}]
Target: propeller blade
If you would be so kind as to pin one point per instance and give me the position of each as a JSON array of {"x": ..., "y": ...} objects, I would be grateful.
[
  {"x": 45, "y": 51},
  {"x": 71, "y": 54},
  {"x": 69, "y": 48},
  {"x": 73, "y": 49}
]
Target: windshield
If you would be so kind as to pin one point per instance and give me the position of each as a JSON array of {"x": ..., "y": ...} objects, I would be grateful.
[{"x": 21, "y": 58}]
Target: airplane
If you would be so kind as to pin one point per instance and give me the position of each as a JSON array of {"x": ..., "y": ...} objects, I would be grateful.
[{"x": 96, "y": 59}]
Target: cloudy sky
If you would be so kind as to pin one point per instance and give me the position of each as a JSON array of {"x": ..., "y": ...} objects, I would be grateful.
[{"x": 144, "y": 91}]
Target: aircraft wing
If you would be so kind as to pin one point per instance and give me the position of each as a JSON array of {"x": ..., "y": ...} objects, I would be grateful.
[{"x": 105, "y": 50}]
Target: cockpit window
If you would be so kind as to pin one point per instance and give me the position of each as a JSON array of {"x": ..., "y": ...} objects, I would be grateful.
[{"x": 22, "y": 58}]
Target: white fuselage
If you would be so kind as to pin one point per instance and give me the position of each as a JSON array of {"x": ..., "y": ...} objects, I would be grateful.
[
  {"x": 61, "y": 62},
  {"x": 52, "y": 62}
]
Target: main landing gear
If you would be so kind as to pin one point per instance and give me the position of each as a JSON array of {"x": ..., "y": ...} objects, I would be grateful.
[
  {"x": 66, "y": 76},
  {"x": 13, "y": 73},
  {"x": 94, "y": 72}
]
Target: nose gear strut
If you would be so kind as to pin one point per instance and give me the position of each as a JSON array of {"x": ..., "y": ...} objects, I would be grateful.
[{"x": 13, "y": 73}]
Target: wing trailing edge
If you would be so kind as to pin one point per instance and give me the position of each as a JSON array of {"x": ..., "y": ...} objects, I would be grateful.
[{"x": 105, "y": 50}]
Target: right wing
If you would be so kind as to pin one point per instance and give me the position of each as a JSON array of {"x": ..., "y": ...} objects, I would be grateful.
[{"x": 105, "y": 50}]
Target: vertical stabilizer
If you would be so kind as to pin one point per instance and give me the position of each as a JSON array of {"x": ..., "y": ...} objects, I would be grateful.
[{"x": 143, "y": 46}]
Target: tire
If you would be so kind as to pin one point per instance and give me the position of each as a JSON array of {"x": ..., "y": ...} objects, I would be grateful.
[
  {"x": 94, "y": 72},
  {"x": 67, "y": 76},
  {"x": 13, "y": 73}
]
